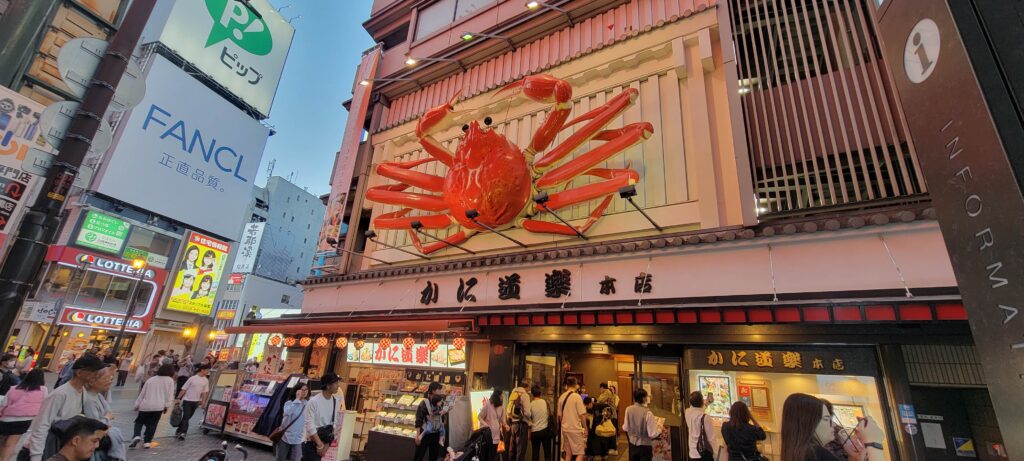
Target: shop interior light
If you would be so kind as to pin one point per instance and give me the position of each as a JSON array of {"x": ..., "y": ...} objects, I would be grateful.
[
  {"x": 418, "y": 228},
  {"x": 188, "y": 333},
  {"x": 533, "y": 5},
  {"x": 409, "y": 342},
  {"x": 371, "y": 235},
  {"x": 628, "y": 192},
  {"x": 341, "y": 342},
  {"x": 473, "y": 214},
  {"x": 305, "y": 341},
  {"x": 212, "y": 335},
  {"x": 65, "y": 333},
  {"x": 541, "y": 199},
  {"x": 81, "y": 335},
  {"x": 333, "y": 242}
]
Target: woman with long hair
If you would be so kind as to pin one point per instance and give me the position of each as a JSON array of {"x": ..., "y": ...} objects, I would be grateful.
[
  {"x": 807, "y": 427},
  {"x": 205, "y": 284},
  {"x": 289, "y": 448},
  {"x": 209, "y": 259},
  {"x": 492, "y": 416},
  {"x": 21, "y": 407},
  {"x": 191, "y": 259},
  {"x": 156, "y": 397},
  {"x": 741, "y": 433}
]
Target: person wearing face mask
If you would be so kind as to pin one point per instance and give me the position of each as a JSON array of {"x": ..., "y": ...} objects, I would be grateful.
[
  {"x": 64, "y": 402},
  {"x": 641, "y": 427},
  {"x": 10, "y": 378},
  {"x": 807, "y": 427},
  {"x": 97, "y": 406}
]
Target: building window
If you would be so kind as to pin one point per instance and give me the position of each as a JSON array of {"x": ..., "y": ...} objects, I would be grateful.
[
  {"x": 285, "y": 299},
  {"x": 440, "y": 14},
  {"x": 293, "y": 218},
  {"x": 150, "y": 242}
]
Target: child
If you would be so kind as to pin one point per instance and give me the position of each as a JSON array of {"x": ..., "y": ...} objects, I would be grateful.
[{"x": 433, "y": 424}]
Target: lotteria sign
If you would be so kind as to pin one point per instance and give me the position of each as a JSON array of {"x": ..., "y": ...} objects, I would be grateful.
[
  {"x": 76, "y": 316},
  {"x": 201, "y": 147},
  {"x": 115, "y": 266}
]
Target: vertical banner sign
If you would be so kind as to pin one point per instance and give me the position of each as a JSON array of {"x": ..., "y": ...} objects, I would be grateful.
[
  {"x": 199, "y": 273},
  {"x": 245, "y": 260},
  {"x": 345, "y": 162},
  {"x": 970, "y": 178},
  {"x": 19, "y": 132}
]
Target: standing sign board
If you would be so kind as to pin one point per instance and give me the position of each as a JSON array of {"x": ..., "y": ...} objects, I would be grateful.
[
  {"x": 241, "y": 45},
  {"x": 963, "y": 155},
  {"x": 200, "y": 146}
]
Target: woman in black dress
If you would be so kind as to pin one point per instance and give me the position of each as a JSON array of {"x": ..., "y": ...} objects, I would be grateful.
[{"x": 741, "y": 434}]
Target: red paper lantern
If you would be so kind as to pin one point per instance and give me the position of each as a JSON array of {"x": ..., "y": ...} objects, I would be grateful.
[
  {"x": 433, "y": 343},
  {"x": 385, "y": 342},
  {"x": 459, "y": 343},
  {"x": 275, "y": 340},
  {"x": 341, "y": 342},
  {"x": 360, "y": 343},
  {"x": 305, "y": 341},
  {"x": 322, "y": 341},
  {"x": 289, "y": 341}
]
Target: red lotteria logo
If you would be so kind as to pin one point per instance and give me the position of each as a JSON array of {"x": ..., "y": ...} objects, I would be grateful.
[{"x": 75, "y": 317}]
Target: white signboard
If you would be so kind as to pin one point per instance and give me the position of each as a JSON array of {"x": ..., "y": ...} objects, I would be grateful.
[
  {"x": 445, "y": 356},
  {"x": 245, "y": 260},
  {"x": 242, "y": 45},
  {"x": 186, "y": 152},
  {"x": 38, "y": 311},
  {"x": 19, "y": 134}
]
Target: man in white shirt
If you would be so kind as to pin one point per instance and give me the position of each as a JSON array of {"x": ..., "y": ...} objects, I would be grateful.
[
  {"x": 63, "y": 402},
  {"x": 541, "y": 436},
  {"x": 322, "y": 410},
  {"x": 697, "y": 420},
  {"x": 572, "y": 415},
  {"x": 641, "y": 427},
  {"x": 192, "y": 394}
]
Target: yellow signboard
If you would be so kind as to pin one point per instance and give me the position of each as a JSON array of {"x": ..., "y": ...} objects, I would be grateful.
[{"x": 199, "y": 273}]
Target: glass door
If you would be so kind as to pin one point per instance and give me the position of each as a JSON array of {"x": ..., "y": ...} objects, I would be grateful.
[{"x": 660, "y": 377}]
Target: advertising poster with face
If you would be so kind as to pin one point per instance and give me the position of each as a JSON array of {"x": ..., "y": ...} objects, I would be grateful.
[{"x": 199, "y": 273}]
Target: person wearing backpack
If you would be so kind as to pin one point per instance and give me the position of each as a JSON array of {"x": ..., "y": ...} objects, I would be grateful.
[
  {"x": 702, "y": 437},
  {"x": 572, "y": 421},
  {"x": 428, "y": 439},
  {"x": 519, "y": 417}
]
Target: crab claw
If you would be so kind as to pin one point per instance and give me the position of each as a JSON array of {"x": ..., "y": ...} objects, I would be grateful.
[
  {"x": 434, "y": 118},
  {"x": 541, "y": 88}
]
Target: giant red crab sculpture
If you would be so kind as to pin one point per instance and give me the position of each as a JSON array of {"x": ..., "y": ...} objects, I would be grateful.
[{"x": 489, "y": 174}]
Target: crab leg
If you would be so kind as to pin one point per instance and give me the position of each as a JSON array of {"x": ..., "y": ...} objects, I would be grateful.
[
  {"x": 400, "y": 171},
  {"x": 547, "y": 89},
  {"x": 618, "y": 140},
  {"x": 432, "y": 121},
  {"x": 598, "y": 119},
  {"x": 393, "y": 195},
  {"x": 400, "y": 220},
  {"x": 616, "y": 178}
]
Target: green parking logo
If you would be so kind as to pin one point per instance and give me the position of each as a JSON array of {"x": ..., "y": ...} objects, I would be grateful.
[{"x": 233, "y": 20}]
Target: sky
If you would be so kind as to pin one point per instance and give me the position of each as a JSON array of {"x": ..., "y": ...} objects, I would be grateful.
[{"x": 307, "y": 113}]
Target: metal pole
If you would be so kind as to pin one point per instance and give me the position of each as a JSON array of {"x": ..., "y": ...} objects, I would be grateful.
[
  {"x": 39, "y": 226},
  {"x": 129, "y": 311}
]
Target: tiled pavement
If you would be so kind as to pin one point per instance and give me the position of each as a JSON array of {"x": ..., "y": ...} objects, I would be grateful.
[{"x": 191, "y": 449}]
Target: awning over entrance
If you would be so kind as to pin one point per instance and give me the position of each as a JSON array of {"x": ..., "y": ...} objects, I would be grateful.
[{"x": 410, "y": 325}]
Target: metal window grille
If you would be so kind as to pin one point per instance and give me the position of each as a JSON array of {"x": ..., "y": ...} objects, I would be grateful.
[{"x": 824, "y": 128}]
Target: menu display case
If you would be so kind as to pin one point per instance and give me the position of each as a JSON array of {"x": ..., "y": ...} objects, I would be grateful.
[{"x": 249, "y": 399}]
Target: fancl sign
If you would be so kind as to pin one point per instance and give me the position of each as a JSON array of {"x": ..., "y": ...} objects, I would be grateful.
[
  {"x": 185, "y": 138},
  {"x": 240, "y": 44}
]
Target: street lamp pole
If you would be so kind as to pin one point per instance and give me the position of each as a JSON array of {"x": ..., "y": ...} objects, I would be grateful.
[{"x": 140, "y": 266}]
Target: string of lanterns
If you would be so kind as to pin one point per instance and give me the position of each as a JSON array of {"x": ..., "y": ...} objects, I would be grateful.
[{"x": 342, "y": 341}]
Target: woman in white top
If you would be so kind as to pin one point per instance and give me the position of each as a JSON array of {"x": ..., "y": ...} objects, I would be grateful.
[
  {"x": 156, "y": 397},
  {"x": 697, "y": 420},
  {"x": 491, "y": 417}
]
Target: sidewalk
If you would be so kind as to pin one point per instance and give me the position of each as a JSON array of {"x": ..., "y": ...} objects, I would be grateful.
[{"x": 194, "y": 446}]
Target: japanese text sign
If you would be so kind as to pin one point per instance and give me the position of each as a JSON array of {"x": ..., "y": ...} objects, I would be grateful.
[
  {"x": 445, "y": 356},
  {"x": 248, "y": 246},
  {"x": 19, "y": 132},
  {"x": 832, "y": 361},
  {"x": 102, "y": 232},
  {"x": 199, "y": 274}
]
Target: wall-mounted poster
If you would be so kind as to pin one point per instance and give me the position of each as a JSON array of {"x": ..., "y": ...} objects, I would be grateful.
[
  {"x": 848, "y": 414},
  {"x": 721, "y": 388},
  {"x": 199, "y": 273},
  {"x": 757, "y": 396}
]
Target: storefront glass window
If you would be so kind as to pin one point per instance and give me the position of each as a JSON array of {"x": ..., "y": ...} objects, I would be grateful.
[
  {"x": 94, "y": 290},
  {"x": 157, "y": 247},
  {"x": 117, "y": 294},
  {"x": 764, "y": 394},
  {"x": 541, "y": 371}
]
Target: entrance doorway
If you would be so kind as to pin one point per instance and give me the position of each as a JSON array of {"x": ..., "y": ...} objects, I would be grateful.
[{"x": 958, "y": 424}]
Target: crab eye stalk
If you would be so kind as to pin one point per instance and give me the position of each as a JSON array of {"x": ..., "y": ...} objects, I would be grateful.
[
  {"x": 488, "y": 121},
  {"x": 465, "y": 128}
]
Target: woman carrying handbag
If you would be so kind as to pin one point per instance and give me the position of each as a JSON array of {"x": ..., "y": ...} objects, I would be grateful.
[{"x": 288, "y": 438}]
